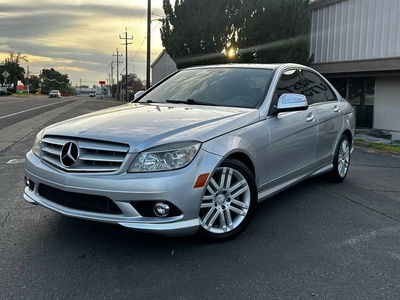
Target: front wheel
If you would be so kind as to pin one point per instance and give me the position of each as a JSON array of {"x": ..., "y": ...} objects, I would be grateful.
[
  {"x": 341, "y": 160},
  {"x": 229, "y": 201}
]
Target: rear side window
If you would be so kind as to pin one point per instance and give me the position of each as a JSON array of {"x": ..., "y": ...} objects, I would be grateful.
[
  {"x": 316, "y": 90},
  {"x": 290, "y": 82}
]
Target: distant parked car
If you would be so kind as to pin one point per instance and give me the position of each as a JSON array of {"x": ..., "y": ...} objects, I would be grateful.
[
  {"x": 92, "y": 95},
  {"x": 54, "y": 94},
  {"x": 196, "y": 152}
]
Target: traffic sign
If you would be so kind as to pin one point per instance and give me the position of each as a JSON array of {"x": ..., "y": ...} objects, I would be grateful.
[
  {"x": 5, "y": 74},
  {"x": 102, "y": 82}
]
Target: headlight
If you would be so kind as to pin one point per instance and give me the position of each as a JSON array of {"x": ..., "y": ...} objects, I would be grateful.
[
  {"x": 36, "y": 143},
  {"x": 164, "y": 158}
]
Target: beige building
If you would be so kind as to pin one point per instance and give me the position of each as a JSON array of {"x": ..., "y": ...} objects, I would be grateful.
[
  {"x": 356, "y": 44},
  {"x": 162, "y": 66}
]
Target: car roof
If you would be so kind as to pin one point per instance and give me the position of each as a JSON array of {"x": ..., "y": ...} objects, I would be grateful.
[{"x": 253, "y": 66}]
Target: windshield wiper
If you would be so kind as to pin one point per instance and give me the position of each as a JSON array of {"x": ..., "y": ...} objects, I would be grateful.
[{"x": 190, "y": 101}]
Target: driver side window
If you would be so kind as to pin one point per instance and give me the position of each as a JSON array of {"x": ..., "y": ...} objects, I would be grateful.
[{"x": 290, "y": 82}]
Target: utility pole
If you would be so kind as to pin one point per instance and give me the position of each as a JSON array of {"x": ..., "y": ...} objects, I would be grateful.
[
  {"x": 118, "y": 62},
  {"x": 126, "y": 61},
  {"x": 112, "y": 74},
  {"x": 148, "y": 44},
  {"x": 27, "y": 78}
]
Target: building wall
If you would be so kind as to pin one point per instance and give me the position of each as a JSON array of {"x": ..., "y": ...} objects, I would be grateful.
[
  {"x": 387, "y": 108},
  {"x": 162, "y": 67},
  {"x": 355, "y": 30}
]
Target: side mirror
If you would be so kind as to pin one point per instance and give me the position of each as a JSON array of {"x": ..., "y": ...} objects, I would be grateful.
[{"x": 291, "y": 102}]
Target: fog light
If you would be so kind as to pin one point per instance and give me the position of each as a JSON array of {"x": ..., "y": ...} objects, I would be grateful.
[
  {"x": 161, "y": 209},
  {"x": 27, "y": 181}
]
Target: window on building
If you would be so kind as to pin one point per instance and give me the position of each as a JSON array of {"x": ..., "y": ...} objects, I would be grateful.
[
  {"x": 370, "y": 91},
  {"x": 356, "y": 90},
  {"x": 359, "y": 91}
]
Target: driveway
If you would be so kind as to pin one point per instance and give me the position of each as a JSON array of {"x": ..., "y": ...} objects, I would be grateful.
[{"x": 315, "y": 240}]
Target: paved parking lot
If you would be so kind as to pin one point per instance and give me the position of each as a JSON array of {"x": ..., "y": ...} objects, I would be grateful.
[{"x": 314, "y": 241}]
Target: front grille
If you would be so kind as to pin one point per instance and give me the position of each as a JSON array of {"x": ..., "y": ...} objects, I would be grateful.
[
  {"x": 94, "y": 156},
  {"x": 91, "y": 203}
]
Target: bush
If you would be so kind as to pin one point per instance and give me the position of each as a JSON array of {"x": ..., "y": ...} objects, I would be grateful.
[
  {"x": 3, "y": 93},
  {"x": 12, "y": 90}
]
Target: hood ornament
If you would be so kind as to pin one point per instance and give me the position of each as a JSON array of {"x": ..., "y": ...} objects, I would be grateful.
[{"x": 69, "y": 154}]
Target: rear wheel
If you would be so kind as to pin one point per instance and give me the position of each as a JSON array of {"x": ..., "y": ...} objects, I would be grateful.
[
  {"x": 229, "y": 201},
  {"x": 341, "y": 160}
]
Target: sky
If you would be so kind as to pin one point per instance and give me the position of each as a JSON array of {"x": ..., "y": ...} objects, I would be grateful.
[{"x": 79, "y": 37}]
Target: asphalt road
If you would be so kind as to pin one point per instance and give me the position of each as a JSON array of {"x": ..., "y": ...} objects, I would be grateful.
[
  {"x": 16, "y": 109},
  {"x": 314, "y": 241}
]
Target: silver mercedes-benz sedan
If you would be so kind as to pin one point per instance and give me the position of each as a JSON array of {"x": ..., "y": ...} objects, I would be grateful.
[{"x": 196, "y": 152}]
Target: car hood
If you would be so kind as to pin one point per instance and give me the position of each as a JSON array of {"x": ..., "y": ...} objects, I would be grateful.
[{"x": 142, "y": 126}]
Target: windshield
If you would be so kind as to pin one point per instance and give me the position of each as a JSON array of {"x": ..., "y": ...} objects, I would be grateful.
[{"x": 225, "y": 86}]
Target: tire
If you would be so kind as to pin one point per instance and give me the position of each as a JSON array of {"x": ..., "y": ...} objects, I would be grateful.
[
  {"x": 229, "y": 202},
  {"x": 341, "y": 160}
]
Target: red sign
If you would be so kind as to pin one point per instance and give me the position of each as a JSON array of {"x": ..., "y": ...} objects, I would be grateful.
[{"x": 102, "y": 82}]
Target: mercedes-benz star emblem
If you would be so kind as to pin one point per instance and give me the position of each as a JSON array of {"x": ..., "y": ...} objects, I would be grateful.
[{"x": 69, "y": 154}]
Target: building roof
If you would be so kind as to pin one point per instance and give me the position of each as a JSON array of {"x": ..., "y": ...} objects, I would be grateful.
[
  {"x": 159, "y": 57},
  {"x": 317, "y": 4}
]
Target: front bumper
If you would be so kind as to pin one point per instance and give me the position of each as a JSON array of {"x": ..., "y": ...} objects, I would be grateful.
[{"x": 175, "y": 187}]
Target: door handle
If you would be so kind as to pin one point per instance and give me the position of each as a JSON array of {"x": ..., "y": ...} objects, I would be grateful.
[
  {"x": 336, "y": 108},
  {"x": 310, "y": 118}
]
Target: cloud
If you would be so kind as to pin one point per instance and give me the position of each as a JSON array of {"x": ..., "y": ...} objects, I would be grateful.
[{"x": 77, "y": 36}]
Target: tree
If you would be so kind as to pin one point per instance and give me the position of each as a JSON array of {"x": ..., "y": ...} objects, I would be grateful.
[
  {"x": 199, "y": 32},
  {"x": 263, "y": 31},
  {"x": 134, "y": 82},
  {"x": 15, "y": 71},
  {"x": 54, "y": 80},
  {"x": 34, "y": 81},
  {"x": 275, "y": 31}
]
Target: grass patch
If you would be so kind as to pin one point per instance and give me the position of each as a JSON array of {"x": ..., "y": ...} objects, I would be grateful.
[
  {"x": 23, "y": 95},
  {"x": 380, "y": 147}
]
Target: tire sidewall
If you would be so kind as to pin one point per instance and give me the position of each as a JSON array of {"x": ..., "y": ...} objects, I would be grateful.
[{"x": 335, "y": 175}]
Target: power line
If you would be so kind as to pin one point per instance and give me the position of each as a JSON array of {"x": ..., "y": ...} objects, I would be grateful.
[{"x": 142, "y": 44}]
